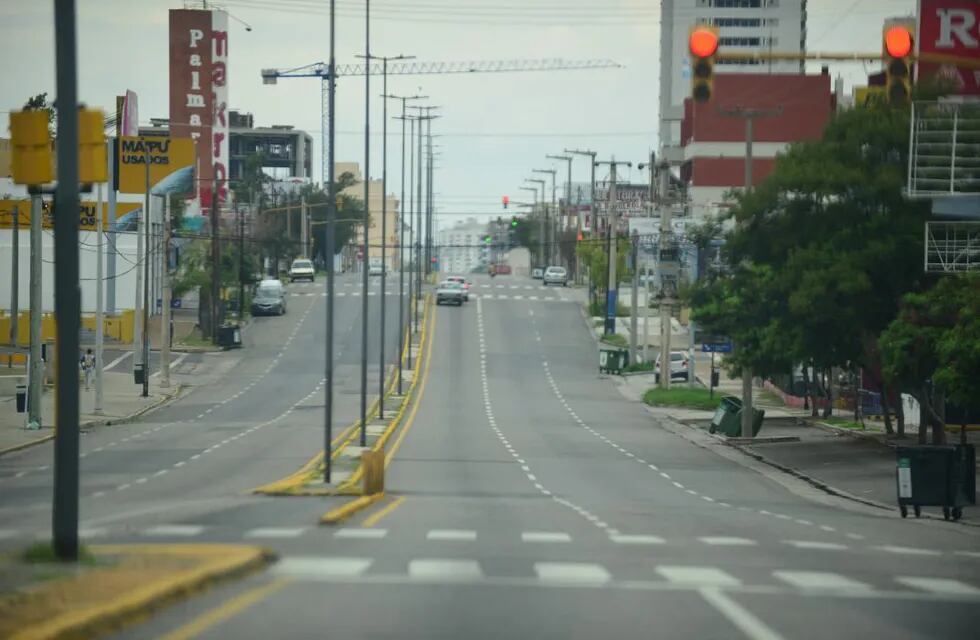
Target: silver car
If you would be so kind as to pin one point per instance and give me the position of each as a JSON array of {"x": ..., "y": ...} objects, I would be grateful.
[
  {"x": 269, "y": 298},
  {"x": 555, "y": 275},
  {"x": 302, "y": 269},
  {"x": 450, "y": 293}
]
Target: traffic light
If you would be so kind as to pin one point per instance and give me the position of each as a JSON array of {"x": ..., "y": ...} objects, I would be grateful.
[
  {"x": 898, "y": 64},
  {"x": 513, "y": 222},
  {"x": 30, "y": 161},
  {"x": 506, "y": 201},
  {"x": 703, "y": 45},
  {"x": 91, "y": 147},
  {"x": 487, "y": 239}
]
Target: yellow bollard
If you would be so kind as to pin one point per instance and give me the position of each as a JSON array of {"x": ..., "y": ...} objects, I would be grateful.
[{"x": 373, "y": 463}]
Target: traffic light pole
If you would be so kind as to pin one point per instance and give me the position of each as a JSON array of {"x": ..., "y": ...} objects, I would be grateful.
[
  {"x": 329, "y": 251},
  {"x": 67, "y": 299}
]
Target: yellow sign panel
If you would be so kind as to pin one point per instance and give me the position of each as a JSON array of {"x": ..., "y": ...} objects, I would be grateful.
[
  {"x": 864, "y": 95},
  {"x": 172, "y": 163},
  {"x": 86, "y": 214}
]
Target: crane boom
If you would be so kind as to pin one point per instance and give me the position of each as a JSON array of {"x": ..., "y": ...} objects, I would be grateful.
[{"x": 322, "y": 70}]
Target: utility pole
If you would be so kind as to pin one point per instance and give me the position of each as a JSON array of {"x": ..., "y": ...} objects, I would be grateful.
[
  {"x": 304, "y": 228},
  {"x": 141, "y": 222},
  {"x": 241, "y": 254},
  {"x": 749, "y": 115},
  {"x": 418, "y": 211},
  {"x": 145, "y": 331},
  {"x": 14, "y": 281},
  {"x": 329, "y": 237},
  {"x": 165, "y": 296},
  {"x": 110, "y": 263},
  {"x": 542, "y": 214},
  {"x": 612, "y": 244},
  {"x": 99, "y": 312},
  {"x": 667, "y": 267},
  {"x": 635, "y": 294},
  {"x": 568, "y": 195},
  {"x": 216, "y": 262},
  {"x": 578, "y": 223},
  {"x": 36, "y": 372},
  {"x": 401, "y": 242},
  {"x": 549, "y": 220},
  {"x": 428, "y": 200},
  {"x": 412, "y": 302},
  {"x": 67, "y": 298},
  {"x": 367, "y": 207}
]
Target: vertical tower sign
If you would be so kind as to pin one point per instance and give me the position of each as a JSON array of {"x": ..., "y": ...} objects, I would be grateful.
[{"x": 199, "y": 94}]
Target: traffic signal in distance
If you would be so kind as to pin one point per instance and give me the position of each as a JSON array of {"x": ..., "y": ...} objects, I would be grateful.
[
  {"x": 703, "y": 45},
  {"x": 513, "y": 222},
  {"x": 31, "y": 159},
  {"x": 486, "y": 239},
  {"x": 898, "y": 64},
  {"x": 91, "y": 147},
  {"x": 506, "y": 201}
]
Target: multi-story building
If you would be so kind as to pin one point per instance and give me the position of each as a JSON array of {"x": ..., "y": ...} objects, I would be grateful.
[
  {"x": 744, "y": 26},
  {"x": 375, "y": 209},
  {"x": 286, "y": 151},
  {"x": 461, "y": 248}
]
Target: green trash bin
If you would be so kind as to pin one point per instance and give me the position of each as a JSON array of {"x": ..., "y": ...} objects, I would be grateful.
[
  {"x": 610, "y": 360},
  {"x": 728, "y": 418}
]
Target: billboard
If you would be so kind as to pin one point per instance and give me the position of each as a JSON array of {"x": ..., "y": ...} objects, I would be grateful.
[
  {"x": 950, "y": 27},
  {"x": 171, "y": 161},
  {"x": 199, "y": 94},
  {"x": 86, "y": 214}
]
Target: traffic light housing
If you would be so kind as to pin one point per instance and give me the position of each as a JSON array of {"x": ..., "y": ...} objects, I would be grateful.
[
  {"x": 506, "y": 201},
  {"x": 91, "y": 147},
  {"x": 31, "y": 161},
  {"x": 898, "y": 50},
  {"x": 702, "y": 45},
  {"x": 513, "y": 222}
]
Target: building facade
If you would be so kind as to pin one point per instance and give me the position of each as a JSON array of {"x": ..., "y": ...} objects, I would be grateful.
[
  {"x": 744, "y": 26},
  {"x": 461, "y": 248},
  {"x": 375, "y": 209}
]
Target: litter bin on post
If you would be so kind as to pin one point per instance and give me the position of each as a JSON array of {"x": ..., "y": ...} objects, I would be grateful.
[
  {"x": 229, "y": 336},
  {"x": 139, "y": 370},
  {"x": 21, "y": 397},
  {"x": 936, "y": 476},
  {"x": 728, "y": 418}
]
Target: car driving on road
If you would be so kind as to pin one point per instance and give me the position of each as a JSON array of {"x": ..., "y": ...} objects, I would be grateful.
[
  {"x": 269, "y": 298},
  {"x": 466, "y": 286},
  {"x": 555, "y": 275},
  {"x": 302, "y": 269},
  {"x": 450, "y": 292}
]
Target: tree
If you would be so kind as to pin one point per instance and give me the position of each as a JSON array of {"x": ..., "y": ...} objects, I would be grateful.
[
  {"x": 40, "y": 102},
  {"x": 822, "y": 251}
]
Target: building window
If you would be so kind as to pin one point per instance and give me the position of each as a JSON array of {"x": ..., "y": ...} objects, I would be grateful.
[
  {"x": 738, "y": 42},
  {"x": 737, "y": 22},
  {"x": 738, "y": 61},
  {"x": 740, "y": 4}
]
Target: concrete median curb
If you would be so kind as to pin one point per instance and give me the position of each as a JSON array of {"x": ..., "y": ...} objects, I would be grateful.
[
  {"x": 144, "y": 578},
  {"x": 341, "y": 513}
]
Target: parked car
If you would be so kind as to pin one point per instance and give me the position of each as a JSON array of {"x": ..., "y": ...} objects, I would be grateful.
[
  {"x": 376, "y": 267},
  {"x": 502, "y": 269},
  {"x": 537, "y": 273},
  {"x": 449, "y": 292},
  {"x": 681, "y": 365},
  {"x": 302, "y": 269},
  {"x": 466, "y": 286},
  {"x": 269, "y": 298},
  {"x": 555, "y": 275}
]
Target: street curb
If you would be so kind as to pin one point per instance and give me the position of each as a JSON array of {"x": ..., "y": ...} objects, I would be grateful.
[
  {"x": 341, "y": 513},
  {"x": 102, "y": 422},
  {"x": 231, "y": 561}
]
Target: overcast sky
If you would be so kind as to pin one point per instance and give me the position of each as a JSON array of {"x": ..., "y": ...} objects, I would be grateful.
[{"x": 494, "y": 128}]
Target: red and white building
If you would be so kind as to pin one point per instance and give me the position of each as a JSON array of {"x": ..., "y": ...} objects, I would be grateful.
[{"x": 713, "y": 143}]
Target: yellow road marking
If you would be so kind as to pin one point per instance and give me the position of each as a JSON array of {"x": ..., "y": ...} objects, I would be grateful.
[
  {"x": 225, "y": 610},
  {"x": 373, "y": 519},
  {"x": 419, "y": 395}
]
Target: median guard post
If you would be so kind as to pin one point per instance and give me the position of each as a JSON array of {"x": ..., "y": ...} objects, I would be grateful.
[{"x": 373, "y": 463}]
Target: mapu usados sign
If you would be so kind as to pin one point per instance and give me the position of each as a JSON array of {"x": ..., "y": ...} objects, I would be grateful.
[
  {"x": 199, "y": 94},
  {"x": 172, "y": 163},
  {"x": 950, "y": 27}
]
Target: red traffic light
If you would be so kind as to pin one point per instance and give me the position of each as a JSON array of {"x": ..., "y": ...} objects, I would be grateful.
[
  {"x": 898, "y": 42},
  {"x": 703, "y": 43},
  {"x": 506, "y": 201}
]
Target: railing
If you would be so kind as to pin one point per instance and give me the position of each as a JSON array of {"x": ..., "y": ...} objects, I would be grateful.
[{"x": 944, "y": 149}]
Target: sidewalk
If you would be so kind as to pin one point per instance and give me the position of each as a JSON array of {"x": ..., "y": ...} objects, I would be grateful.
[
  {"x": 858, "y": 464},
  {"x": 121, "y": 401}
]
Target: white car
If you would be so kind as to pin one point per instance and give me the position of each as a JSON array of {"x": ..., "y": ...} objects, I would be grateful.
[
  {"x": 537, "y": 273},
  {"x": 376, "y": 269},
  {"x": 555, "y": 275},
  {"x": 302, "y": 269},
  {"x": 681, "y": 364},
  {"x": 466, "y": 286}
]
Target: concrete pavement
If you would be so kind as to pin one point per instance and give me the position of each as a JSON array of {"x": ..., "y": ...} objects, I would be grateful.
[{"x": 529, "y": 500}]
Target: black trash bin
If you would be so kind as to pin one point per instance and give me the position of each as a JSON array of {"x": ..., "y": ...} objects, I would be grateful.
[
  {"x": 229, "y": 336},
  {"x": 21, "y": 397},
  {"x": 139, "y": 371},
  {"x": 936, "y": 476}
]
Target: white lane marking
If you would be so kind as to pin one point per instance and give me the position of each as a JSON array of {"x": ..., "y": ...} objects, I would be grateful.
[
  {"x": 909, "y": 551},
  {"x": 747, "y": 623},
  {"x": 439, "y": 569},
  {"x": 362, "y": 534},
  {"x": 698, "y": 576},
  {"x": 945, "y": 586},
  {"x": 91, "y": 533},
  {"x": 275, "y": 532},
  {"x": 117, "y": 360},
  {"x": 545, "y": 536},
  {"x": 461, "y": 535},
  {"x": 312, "y": 567},
  {"x": 725, "y": 541},
  {"x": 820, "y": 580},
  {"x": 577, "y": 572},
  {"x": 813, "y": 544},
  {"x": 183, "y": 530},
  {"x": 635, "y": 539}
]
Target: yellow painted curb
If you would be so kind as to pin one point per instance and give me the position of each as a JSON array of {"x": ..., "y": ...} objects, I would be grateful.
[
  {"x": 25, "y": 445},
  {"x": 86, "y": 620},
  {"x": 345, "y": 511}
]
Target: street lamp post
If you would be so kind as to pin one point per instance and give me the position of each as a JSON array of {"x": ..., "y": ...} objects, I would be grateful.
[
  {"x": 550, "y": 221},
  {"x": 592, "y": 208},
  {"x": 568, "y": 191},
  {"x": 542, "y": 258}
]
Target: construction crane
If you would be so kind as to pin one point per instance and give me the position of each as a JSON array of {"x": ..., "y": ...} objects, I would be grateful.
[{"x": 321, "y": 70}]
